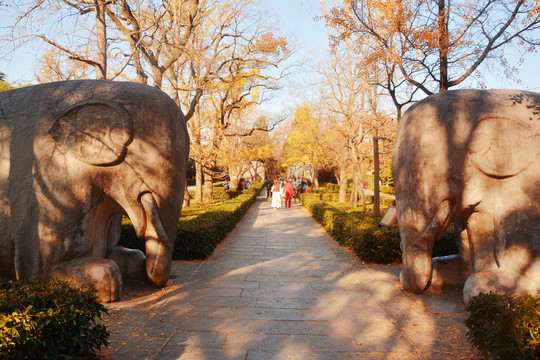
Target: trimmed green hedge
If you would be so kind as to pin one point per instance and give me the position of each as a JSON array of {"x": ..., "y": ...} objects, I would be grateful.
[
  {"x": 331, "y": 196},
  {"x": 355, "y": 230},
  {"x": 361, "y": 231},
  {"x": 503, "y": 326},
  {"x": 197, "y": 237},
  {"x": 218, "y": 194},
  {"x": 202, "y": 226},
  {"x": 385, "y": 189},
  {"x": 49, "y": 320}
]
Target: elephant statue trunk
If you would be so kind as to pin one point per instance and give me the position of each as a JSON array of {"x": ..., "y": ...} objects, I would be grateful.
[
  {"x": 417, "y": 247},
  {"x": 159, "y": 246}
]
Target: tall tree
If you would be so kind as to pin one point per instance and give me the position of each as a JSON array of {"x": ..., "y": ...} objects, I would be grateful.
[
  {"x": 54, "y": 66},
  {"x": 307, "y": 137},
  {"x": 159, "y": 33},
  {"x": 227, "y": 74},
  {"x": 439, "y": 44},
  {"x": 42, "y": 19},
  {"x": 347, "y": 84}
]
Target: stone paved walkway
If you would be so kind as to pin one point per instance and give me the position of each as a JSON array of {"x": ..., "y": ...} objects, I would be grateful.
[{"x": 280, "y": 288}]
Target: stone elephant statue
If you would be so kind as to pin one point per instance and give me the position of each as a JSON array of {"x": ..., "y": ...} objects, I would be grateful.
[
  {"x": 470, "y": 157},
  {"x": 74, "y": 157}
]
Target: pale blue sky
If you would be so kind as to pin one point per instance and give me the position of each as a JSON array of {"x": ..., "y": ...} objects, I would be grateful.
[{"x": 296, "y": 18}]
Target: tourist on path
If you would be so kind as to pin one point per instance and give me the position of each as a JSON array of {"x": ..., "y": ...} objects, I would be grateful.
[
  {"x": 296, "y": 185},
  {"x": 276, "y": 195},
  {"x": 268, "y": 187},
  {"x": 289, "y": 192}
]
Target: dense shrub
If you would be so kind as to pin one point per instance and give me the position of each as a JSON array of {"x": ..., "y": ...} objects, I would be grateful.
[
  {"x": 330, "y": 186},
  {"x": 378, "y": 245},
  {"x": 505, "y": 326},
  {"x": 388, "y": 190},
  {"x": 332, "y": 196},
  {"x": 49, "y": 320},
  {"x": 361, "y": 232}
]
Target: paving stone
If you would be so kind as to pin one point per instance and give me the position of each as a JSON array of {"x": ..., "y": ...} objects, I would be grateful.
[
  {"x": 283, "y": 293},
  {"x": 215, "y": 325},
  {"x": 218, "y": 291},
  {"x": 316, "y": 343},
  {"x": 194, "y": 353},
  {"x": 198, "y": 339},
  {"x": 286, "y": 303},
  {"x": 285, "y": 314},
  {"x": 227, "y": 301},
  {"x": 220, "y": 283},
  {"x": 289, "y": 327},
  {"x": 294, "y": 354},
  {"x": 217, "y": 312}
]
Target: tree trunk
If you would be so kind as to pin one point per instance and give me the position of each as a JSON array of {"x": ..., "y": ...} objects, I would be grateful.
[
  {"x": 157, "y": 74},
  {"x": 443, "y": 45},
  {"x": 198, "y": 182},
  {"x": 376, "y": 189},
  {"x": 187, "y": 198},
  {"x": 353, "y": 201},
  {"x": 343, "y": 186},
  {"x": 362, "y": 192},
  {"x": 314, "y": 173},
  {"x": 141, "y": 75},
  {"x": 208, "y": 175},
  {"x": 101, "y": 35}
]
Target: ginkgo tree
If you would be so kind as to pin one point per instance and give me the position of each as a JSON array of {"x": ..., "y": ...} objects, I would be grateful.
[{"x": 307, "y": 138}]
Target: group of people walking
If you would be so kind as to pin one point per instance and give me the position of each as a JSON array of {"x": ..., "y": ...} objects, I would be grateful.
[{"x": 285, "y": 188}]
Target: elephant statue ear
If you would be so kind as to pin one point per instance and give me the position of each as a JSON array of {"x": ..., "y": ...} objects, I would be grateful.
[
  {"x": 502, "y": 147},
  {"x": 97, "y": 133}
]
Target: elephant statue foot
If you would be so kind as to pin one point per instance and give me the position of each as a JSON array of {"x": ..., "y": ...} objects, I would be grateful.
[
  {"x": 131, "y": 262},
  {"x": 518, "y": 274},
  {"x": 104, "y": 274},
  {"x": 448, "y": 272}
]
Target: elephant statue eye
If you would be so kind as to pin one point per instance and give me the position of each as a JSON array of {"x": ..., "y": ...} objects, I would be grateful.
[{"x": 117, "y": 134}]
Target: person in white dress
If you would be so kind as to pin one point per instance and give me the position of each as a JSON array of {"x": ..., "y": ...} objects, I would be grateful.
[{"x": 276, "y": 195}]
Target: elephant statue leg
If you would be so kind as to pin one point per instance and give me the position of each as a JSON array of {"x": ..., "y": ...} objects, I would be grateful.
[
  {"x": 481, "y": 232},
  {"x": 104, "y": 274},
  {"x": 453, "y": 270},
  {"x": 131, "y": 262}
]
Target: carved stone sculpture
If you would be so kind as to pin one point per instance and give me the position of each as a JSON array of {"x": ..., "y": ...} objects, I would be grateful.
[
  {"x": 472, "y": 158},
  {"x": 74, "y": 157}
]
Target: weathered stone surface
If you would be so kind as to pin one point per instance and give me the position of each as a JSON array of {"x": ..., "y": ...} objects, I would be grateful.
[
  {"x": 472, "y": 158},
  {"x": 74, "y": 157}
]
